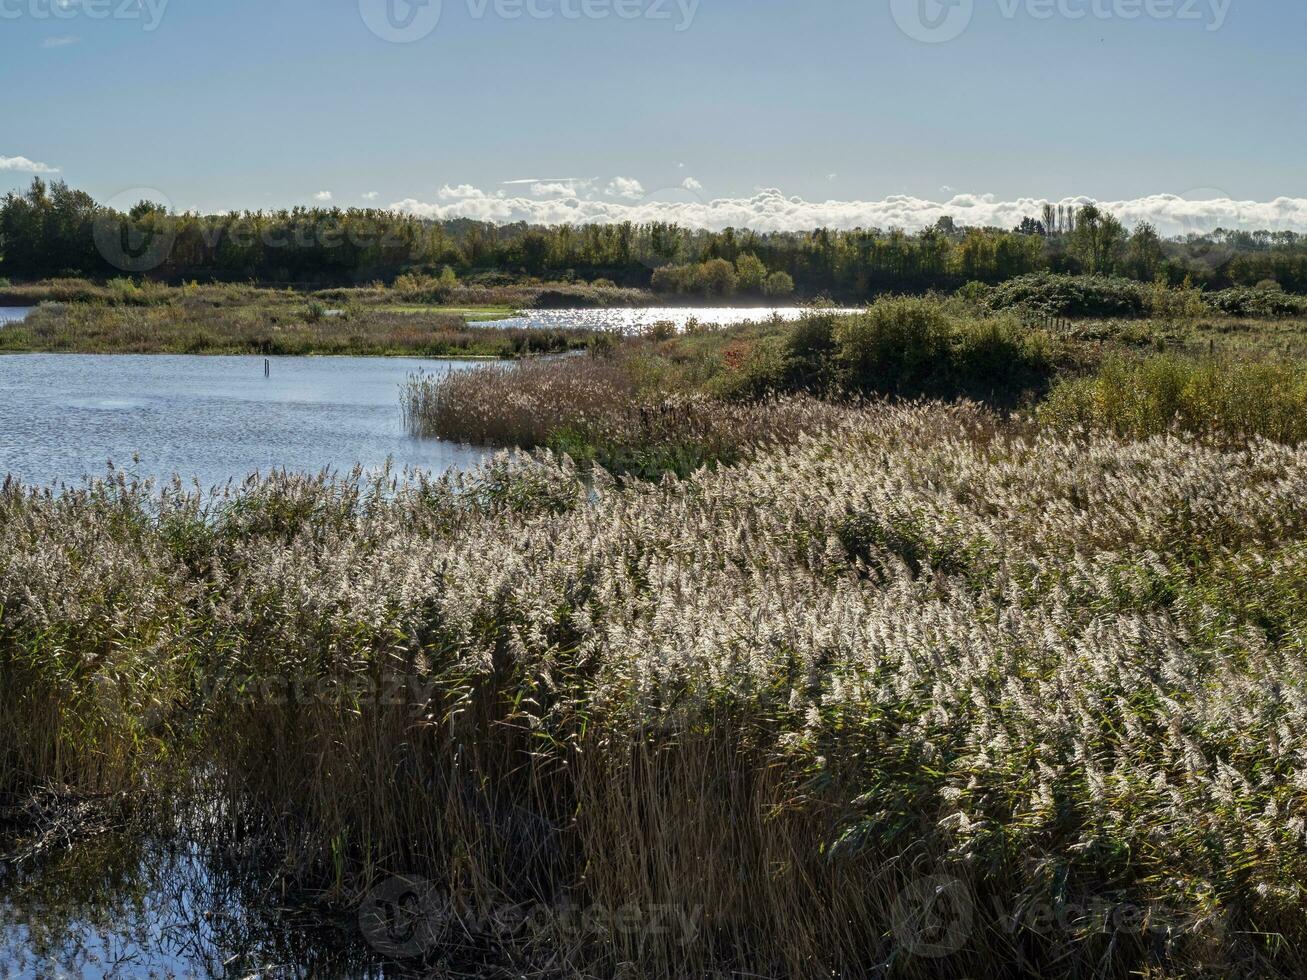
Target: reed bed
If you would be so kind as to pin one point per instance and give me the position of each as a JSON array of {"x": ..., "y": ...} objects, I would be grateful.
[
  {"x": 1230, "y": 398},
  {"x": 593, "y": 409},
  {"x": 918, "y": 695}
]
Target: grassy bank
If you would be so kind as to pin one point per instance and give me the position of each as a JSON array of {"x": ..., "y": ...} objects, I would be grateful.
[
  {"x": 667, "y": 401},
  {"x": 1053, "y": 684},
  {"x": 416, "y": 316},
  {"x": 280, "y": 328},
  {"x": 424, "y": 292}
]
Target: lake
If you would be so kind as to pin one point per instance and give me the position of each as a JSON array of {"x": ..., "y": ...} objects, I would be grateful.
[
  {"x": 12, "y": 314},
  {"x": 633, "y": 320},
  {"x": 64, "y": 416}
]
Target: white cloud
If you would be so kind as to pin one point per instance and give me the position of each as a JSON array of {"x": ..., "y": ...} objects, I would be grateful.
[
  {"x": 770, "y": 210},
  {"x": 463, "y": 192},
  {"x": 554, "y": 188},
  {"x": 22, "y": 165},
  {"x": 690, "y": 184},
  {"x": 62, "y": 41},
  {"x": 625, "y": 187},
  {"x": 322, "y": 197},
  {"x": 370, "y": 195}
]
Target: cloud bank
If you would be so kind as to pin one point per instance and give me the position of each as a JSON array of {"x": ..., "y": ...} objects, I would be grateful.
[
  {"x": 557, "y": 201},
  {"x": 22, "y": 165}
]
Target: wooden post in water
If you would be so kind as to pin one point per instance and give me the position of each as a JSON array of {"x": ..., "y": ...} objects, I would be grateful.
[{"x": 267, "y": 368}]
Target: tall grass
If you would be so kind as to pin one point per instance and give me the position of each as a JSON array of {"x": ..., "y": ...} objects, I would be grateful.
[
  {"x": 593, "y": 409},
  {"x": 1225, "y": 397},
  {"x": 915, "y": 655}
]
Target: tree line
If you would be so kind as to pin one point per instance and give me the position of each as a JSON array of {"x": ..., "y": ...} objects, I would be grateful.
[{"x": 52, "y": 230}]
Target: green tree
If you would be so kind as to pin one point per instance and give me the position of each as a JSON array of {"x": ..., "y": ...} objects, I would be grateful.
[
  {"x": 1098, "y": 240},
  {"x": 1144, "y": 255},
  {"x": 750, "y": 273},
  {"x": 717, "y": 277},
  {"x": 779, "y": 285}
]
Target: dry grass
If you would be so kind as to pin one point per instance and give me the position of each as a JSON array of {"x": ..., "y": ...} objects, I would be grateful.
[{"x": 594, "y": 410}]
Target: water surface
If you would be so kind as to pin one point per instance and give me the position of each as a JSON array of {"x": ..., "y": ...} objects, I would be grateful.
[
  {"x": 63, "y": 417},
  {"x": 12, "y": 314},
  {"x": 633, "y": 320}
]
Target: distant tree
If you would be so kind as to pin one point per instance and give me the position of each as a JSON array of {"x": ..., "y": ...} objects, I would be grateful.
[
  {"x": 779, "y": 285},
  {"x": 750, "y": 273},
  {"x": 1144, "y": 254},
  {"x": 1029, "y": 226},
  {"x": 1098, "y": 240},
  {"x": 717, "y": 277}
]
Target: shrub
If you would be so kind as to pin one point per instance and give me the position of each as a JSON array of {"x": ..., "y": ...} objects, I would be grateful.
[
  {"x": 896, "y": 345},
  {"x": 1052, "y": 294},
  {"x": 1258, "y": 302}
]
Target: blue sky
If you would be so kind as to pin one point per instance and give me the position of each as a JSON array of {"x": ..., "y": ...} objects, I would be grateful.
[{"x": 260, "y": 103}]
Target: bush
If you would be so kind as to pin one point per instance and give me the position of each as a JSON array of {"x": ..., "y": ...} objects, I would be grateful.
[
  {"x": 1232, "y": 400},
  {"x": 1051, "y": 294},
  {"x": 898, "y": 344},
  {"x": 913, "y": 347},
  {"x": 1258, "y": 302}
]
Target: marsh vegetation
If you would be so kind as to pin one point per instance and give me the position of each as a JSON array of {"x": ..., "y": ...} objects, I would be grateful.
[
  {"x": 916, "y": 642},
  {"x": 989, "y": 604}
]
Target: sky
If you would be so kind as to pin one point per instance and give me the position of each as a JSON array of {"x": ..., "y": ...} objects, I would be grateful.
[{"x": 769, "y": 113}]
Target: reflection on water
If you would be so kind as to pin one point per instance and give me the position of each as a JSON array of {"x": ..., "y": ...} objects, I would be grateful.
[
  {"x": 120, "y": 905},
  {"x": 634, "y": 320},
  {"x": 63, "y": 416}
]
